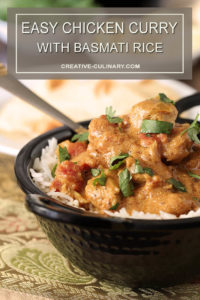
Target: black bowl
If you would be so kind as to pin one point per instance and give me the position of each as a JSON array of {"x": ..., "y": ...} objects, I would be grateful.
[{"x": 136, "y": 253}]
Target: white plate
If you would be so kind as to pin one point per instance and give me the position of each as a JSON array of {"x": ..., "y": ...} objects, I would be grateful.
[{"x": 11, "y": 147}]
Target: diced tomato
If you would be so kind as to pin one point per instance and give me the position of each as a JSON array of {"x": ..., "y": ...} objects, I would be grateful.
[
  {"x": 147, "y": 140},
  {"x": 56, "y": 185},
  {"x": 84, "y": 167},
  {"x": 76, "y": 148},
  {"x": 70, "y": 174},
  {"x": 85, "y": 170}
]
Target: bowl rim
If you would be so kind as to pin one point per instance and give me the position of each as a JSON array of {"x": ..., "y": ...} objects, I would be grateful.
[{"x": 22, "y": 165}]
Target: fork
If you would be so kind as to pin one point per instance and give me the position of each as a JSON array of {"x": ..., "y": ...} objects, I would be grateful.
[{"x": 12, "y": 85}]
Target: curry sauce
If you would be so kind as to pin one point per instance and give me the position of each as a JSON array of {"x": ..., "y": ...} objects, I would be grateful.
[{"x": 142, "y": 161}]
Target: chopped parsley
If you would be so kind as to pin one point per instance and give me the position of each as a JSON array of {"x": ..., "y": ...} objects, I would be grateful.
[
  {"x": 54, "y": 170},
  {"x": 117, "y": 161},
  {"x": 95, "y": 172},
  {"x": 177, "y": 184},
  {"x": 193, "y": 131},
  {"x": 126, "y": 183},
  {"x": 82, "y": 137},
  {"x": 110, "y": 116},
  {"x": 195, "y": 198},
  {"x": 155, "y": 126},
  {"x": 165, "y": 99},
  {"x": 140, "y": 170},
  {"x": 193, "y": 175},
  {"x": 148, "y": 171},
  {"x": 63, "y": 154},
  {"x": 114, "y": 207},
  {"x": 100, "y": 180}
]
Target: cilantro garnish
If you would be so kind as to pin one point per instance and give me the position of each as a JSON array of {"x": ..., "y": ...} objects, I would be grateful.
[
  {"x": 165, "y": 99},
  {"x": 126, "y": 183},
  {"x": 193, "y": 131},
  {"x": 95, "y": 172},
  {"x": 155, "y": 126},
  {"x": 117, "y": 161},
  {"x": 110, "y": 116},
  {"x": 114, "y": 207},
  {"x": 100, "y": 180},
  {"x": 63, "y": 154},
  {"x": 140, "y": 170},
  {"x": 177, "y": 184},
  {"x": 54, "y": 170},
  {"x": 193, "y": 175},
  {"x": 82, "y": 137}
]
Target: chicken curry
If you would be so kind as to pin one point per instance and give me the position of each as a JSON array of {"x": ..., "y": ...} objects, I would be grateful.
[{"x": 141, "y": 161}]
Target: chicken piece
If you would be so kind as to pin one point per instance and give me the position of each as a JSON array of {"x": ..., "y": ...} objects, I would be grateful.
[
  {"x": 147, "y": 140},
  {"x": 192, "y": 163},
  {"x": 192, "y": 184},
  {"x": 85, "y": 161},
  {"x": 152, "y": 109},
  {"x": 154, "y": 200},
  {"x": 106, "y": 138},
  {"x": 151, "y": 156},
  {"x": 73, "y": 149},
  {"x": 103, "y": 197},
  {"x": 138, "y": 178},
  {"x": 68, "y": 177},
  {"x": 178, "y": 146}
]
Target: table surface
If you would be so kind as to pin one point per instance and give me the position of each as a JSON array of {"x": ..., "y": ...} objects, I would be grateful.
[{"x": 31, "y": 268}]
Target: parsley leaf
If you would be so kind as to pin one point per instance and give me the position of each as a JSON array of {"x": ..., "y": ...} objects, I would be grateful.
[
  {"x": 117, "y": 161},
  {"x": 165, "y": 99},
  {"x": 193, "y": 131},
  {"x": 82, "y": 137},
  {"x": 100, "y": 180},
  {"x": 195, "y": 198},
  {"x": 63, "y": 154},
  {"x": 193, "y": 134},
  {"x": 126, "y": 183},
  {"x": 54, "y": 170},
  {"x": 110, "y": 116},
  {"x": 114, "y": 207},
  {"x": 95, "y": 172},
  {"x": 193, "y": 175},
  {"x": 177, "y": 184},
  {"x": 155, "y": 126},
  {"x": 148, "y": 171},
  {"x": 140, "y": 170}
]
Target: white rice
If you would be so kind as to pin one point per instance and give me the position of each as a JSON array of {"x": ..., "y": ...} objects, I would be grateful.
[{"x": 41, "y": 174}]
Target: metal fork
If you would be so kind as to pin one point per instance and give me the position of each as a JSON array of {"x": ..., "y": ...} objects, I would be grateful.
[{"x": 11, "y": 84}]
